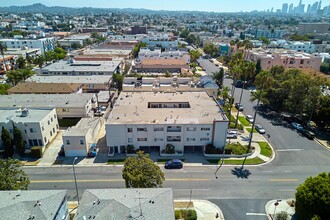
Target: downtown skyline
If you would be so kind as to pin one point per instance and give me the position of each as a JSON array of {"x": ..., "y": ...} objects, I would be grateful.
[{"x": 172, "y": 5}]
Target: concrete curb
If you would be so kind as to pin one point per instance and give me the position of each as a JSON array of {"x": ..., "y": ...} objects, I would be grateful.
[
  {"x": 270, "y": 208},
  {"x": 320, "y": 143}
]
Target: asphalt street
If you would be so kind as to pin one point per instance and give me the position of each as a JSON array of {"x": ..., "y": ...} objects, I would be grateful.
[{"x": 240, "y": 193}]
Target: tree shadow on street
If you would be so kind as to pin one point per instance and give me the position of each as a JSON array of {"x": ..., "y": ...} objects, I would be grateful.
[{"x": 241, "y": 172}]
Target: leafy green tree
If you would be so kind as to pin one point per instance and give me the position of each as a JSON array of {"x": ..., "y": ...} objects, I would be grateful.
[
  {"x": 313, "y": 197},
  {"x": 40, "y": 60},
  {"x": 194, "y": 55},
  {"x": 264, "y": 40},
  {"x": 18, "y": 141},
  {"x": 211, "y": 49},
  {"x": 4, "y": 88},
  {"x": 11, "y": 176},
  {"x": 14, "y": 76},
  {"x": 184, "y": 33},
  {"x": 322, "y": 115},
  {"x": 219, "y": 76},
  {"x": 137, "y": 48},
  {"x": 21, "y": 62},
  {"x": 141, "y": 172},
  {"x": 118, "y": 81},
  {"x": 7, "y": 142}
]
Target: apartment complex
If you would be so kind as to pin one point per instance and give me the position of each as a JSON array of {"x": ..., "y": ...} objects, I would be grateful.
[
  {"x": 161, "y": 40},
  {"x": 285, "y": 58},
  {"x": 44, "y": 44},
  {"x": 73, "y": 68},
  {"x": 66, "y": 105},
  {"x": 314, "y": 28},
  {"x": 151, "y": 120},
  {"x": 38, "y": 127},
  {"x": 89, "y": 83},
  {"x": 45, "y": 88}
]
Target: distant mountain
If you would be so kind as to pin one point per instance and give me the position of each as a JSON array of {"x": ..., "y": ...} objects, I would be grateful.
[{"x": 40, "y": 8}]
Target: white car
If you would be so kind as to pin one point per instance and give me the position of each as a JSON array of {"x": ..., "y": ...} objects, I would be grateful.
[
  {"x": 249, "y": 118},
  {"x": 260, "y": 129},
  {"x": 231, "y": 134}
]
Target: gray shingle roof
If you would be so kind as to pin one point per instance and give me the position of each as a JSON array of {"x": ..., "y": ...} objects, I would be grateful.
[
  {"x": 20, "y": 205},
  {"x": 122, "y": 204}
]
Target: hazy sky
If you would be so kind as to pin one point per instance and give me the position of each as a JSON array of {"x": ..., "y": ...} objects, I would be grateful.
[{"x": 199, "y": 5}]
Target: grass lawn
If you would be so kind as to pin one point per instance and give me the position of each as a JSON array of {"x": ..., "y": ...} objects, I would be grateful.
[
  {"x": 116, "y": 161},
  {"x": 250, "y": 129},
  {"x": 265, "y": 149},
  {"x": 243, "y": 121},
  {"x": 252, "y": 161},
  {"x": 232, "y": 118}
]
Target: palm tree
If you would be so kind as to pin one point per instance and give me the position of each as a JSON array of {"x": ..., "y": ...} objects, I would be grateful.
[
  {"x": 249, "y": 69},
  {"x": 3, "y": 48},
  {"x": 259, "y": 96}
]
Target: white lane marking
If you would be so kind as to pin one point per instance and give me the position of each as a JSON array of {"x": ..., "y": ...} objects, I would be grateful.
[
  {"x": 284, "y": 150},
  {"x": 41, "y": 172},
  {"x": 263, "y": 214},
  {"x": 287, "y": 190},
  {"x": 287, "y": 171},
  {"x": 192, "y": 189},
  {"x": 267, "y": 171}
]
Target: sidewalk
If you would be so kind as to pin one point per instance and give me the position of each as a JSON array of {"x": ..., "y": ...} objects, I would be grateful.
[
  {"x": 274, "y": 207},
  {"x": 205, "y": 210}
]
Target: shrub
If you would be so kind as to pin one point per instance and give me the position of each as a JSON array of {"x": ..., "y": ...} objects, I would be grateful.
[
  {"x": 189, "y": 214},
  {"x": 36, "y": 152},
  {"x": 282, "y": 216},
  {"x": 130, "y": 149},
  {"x": 239, "y": 126},
  {"x": 210, "y": 149},
  {"x": 236, "y": 148},
  {"x": 169, "y": 149}
]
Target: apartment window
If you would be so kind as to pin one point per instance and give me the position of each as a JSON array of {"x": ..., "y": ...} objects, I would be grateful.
[
  {"x": 141, "y": 129},
  {"x": 39, "y": 142},
  {"x": 205, "y": 129},
  {"x": 130, "y": 140},
  {"x": 55, "y": 116},
  {"x": 173, "y": 128},
  {"x": 48, "y": 122},
  {"x": 191, "y": 139},
  {"x": 82, "y": 142},
  {"x": 191, "y": 128},
  {"x": 142, "y": 139},
  {"x": 42, "y": 128},
  {"x": 25, "y": 131},
  {"x": 45, "y": 139},
  {"x": 54, "y": 130},
  {"x": 51, "y": 119},
  {"x": 65, "y": 109},
  {"x": 158, "y": 139},
  {"x": 51, "y": 133},
  {"x": 173, "y": 138},
  {"x": 129, "y": 129},
  {"x": 159, "y": 129},
  {"x": 30, "y": 142},
  {"x": 67, "y": 142},
  {"x": 204, "y": 139},
  {"x": 32, "y": 130}
]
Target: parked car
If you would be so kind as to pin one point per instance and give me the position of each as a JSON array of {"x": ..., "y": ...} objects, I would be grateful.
[
  {"x": 231, "y": 134},
  {"x": 174, "y": 164},
  {"x": 297, "y": 126},
  {"x": 310, "y": 135},
  {"x": 249, "y": 118},
  {"x": 260, "y": 129},
  {"x": 239, "y": 107}
]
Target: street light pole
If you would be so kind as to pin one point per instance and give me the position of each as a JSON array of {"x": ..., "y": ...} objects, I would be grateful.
[{"x": 75, "y": 179}]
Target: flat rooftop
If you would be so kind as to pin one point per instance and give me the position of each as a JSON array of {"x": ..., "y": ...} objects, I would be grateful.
[
  {"x": 34, "y": 115},
  {"x": 88, "y": 79},
  {"x": 132, "y": 108},
  {"x": 83, "y": 126},
  {"x": 109, "y": 52},
  {"x": 45, "y": 100},
  {"x": 83, "y": 66}
]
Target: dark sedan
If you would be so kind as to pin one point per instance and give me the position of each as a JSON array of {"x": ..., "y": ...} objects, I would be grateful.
[{"x": 174, "y": 164}]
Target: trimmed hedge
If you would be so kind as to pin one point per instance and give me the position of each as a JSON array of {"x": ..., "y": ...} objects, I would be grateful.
[
  {"x": 236, "y": 148},
  {"x": 189, "y": 214},
  {"x": 36, "y": 152}
]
